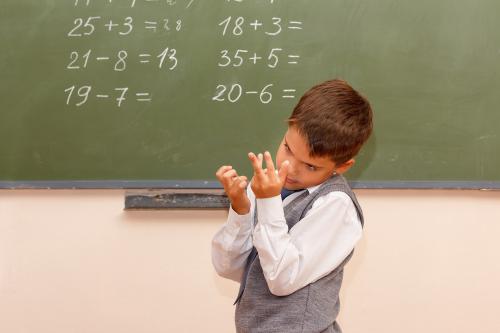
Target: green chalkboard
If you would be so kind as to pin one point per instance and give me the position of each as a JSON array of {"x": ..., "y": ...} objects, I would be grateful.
[{"x": 122, "y": 93}]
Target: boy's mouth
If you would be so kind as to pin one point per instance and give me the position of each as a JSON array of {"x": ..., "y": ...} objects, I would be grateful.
[{"x": 291, "y": 181}]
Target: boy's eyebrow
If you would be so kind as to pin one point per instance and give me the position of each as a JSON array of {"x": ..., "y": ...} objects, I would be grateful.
[{"x": 286, "y": 143}]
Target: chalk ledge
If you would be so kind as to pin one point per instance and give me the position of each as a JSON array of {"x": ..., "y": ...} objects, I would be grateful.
[{"x": 176, "y": 199}]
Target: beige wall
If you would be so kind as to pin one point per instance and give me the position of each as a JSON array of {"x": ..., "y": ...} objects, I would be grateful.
[{"x": 74, "y": 261}]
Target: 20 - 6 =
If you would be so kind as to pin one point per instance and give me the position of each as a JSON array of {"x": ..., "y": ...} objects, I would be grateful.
[{"x": 233, "y": 93}]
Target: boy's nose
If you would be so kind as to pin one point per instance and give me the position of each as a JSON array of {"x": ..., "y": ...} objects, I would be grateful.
[{"x": 291, "y": 168}]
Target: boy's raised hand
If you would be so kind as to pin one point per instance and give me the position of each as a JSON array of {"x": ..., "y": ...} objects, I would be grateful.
[
  {"x": 266, "y": 183},
  {"x": 235, "y": 188}
]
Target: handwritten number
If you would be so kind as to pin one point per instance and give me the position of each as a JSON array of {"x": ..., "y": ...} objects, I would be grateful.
[{"x": 277, "y": 23}]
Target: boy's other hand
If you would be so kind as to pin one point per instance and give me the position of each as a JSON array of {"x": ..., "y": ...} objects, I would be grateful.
[
  {"x": 235, "y": 188},
  {"x": 266, "y": 183}
]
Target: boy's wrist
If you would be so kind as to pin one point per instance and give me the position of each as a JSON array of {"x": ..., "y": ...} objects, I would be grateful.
[
  {"x": 241, "y": 211},
  {"x": 267, "y": 194},
  {"x": 241, "y": 208},
  {"x": 264, "y": 192}
]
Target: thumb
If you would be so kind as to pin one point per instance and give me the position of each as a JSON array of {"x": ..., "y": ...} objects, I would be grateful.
[{"x": 283, "y": 171}]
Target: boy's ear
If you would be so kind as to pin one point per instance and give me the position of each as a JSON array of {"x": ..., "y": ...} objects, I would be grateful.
[{"x": 344, "y": 167}]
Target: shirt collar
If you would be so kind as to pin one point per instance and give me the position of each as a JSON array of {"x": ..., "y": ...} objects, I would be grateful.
[{"x": 313, "y": 188}]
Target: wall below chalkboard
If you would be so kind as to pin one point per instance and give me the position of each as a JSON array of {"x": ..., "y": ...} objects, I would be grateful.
[{"x": 108, "y": 270}]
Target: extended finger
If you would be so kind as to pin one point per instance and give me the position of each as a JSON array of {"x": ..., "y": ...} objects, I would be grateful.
[
  {"x": 256, "y": 164},
  {"x": 270, "y": 165},
  {"x": 283, "y": 171}
]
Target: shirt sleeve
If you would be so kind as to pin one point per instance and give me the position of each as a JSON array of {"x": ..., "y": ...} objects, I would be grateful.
[
  {"x": 232, "y": 243},
  {"x": 315, "y": 246}
]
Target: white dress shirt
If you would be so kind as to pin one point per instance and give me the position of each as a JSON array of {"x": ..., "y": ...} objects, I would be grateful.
[{"x": 313, "y": 248}]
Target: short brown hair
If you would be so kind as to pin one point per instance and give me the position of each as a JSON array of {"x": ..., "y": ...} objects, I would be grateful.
[{"x": 334, "y": 118}]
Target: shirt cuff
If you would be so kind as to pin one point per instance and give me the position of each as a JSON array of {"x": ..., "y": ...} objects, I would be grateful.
[
  {"x": 238, "y": 220},
  {"x": 270, "y": 210}
]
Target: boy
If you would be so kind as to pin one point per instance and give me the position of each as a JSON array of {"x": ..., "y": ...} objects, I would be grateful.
[{"x": 288, "y": 252}]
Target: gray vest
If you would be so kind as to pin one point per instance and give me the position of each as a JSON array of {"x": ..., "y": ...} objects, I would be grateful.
[{"x": 313, "y": 308}]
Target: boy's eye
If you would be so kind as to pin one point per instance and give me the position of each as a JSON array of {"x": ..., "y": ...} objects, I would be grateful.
[
  {"x": 310, "y": 167},
  {"x": 286, "y": 147}
]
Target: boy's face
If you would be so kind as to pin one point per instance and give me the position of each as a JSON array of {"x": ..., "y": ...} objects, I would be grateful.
[{"x": 303, "y": 171}]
